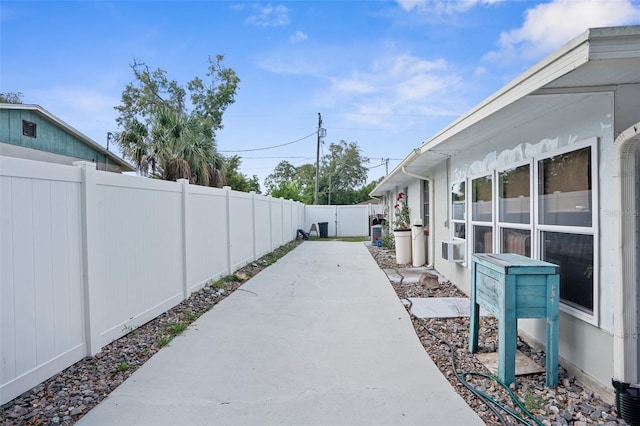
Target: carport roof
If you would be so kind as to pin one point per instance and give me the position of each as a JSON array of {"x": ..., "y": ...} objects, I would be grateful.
[{"x": 595, "y": 61}]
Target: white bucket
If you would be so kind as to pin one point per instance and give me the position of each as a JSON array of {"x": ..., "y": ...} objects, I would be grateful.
[{"x": 403, "y": 246}]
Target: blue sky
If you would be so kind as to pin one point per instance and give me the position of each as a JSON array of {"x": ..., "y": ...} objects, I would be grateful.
[{"x": 384, "y": 74}]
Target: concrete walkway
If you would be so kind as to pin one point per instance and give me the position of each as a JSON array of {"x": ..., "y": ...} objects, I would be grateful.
[{"x": 318, "y": 338}]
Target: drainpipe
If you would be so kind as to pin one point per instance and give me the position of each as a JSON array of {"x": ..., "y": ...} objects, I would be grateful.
[
  {"x": 625, "y": 243},
  {"x": 431, "y": 238}
]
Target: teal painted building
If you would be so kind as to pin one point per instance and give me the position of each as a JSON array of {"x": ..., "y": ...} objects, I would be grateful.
[{"x": 31, "y": 132}]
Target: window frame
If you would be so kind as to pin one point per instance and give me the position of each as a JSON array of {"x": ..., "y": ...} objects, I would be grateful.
[
  {"x": 480, "y": 223},
  {"x": 593, "y": 230},
  {"x": 501, "y": 225}
]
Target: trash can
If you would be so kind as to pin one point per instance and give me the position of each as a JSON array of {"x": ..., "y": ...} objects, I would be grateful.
[
  {"x": 627, "y": 401},
  {"x": 324, "y": 229}
]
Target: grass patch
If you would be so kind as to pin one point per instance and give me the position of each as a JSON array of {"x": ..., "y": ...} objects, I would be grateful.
[
  {"x": 190, "y": 316},
  {"x": 533, "y": 402},
  {"x": 220, "y": 282},
  {"x": 123, "y": 366},
  {"x": 175, "y": 328},
  {"x": 163, "y": 341}
]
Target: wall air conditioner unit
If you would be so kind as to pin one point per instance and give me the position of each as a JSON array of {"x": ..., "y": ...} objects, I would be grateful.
[{"x": 453, "y": 251}]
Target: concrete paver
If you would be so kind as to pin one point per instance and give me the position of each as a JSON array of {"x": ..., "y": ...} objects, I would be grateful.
[{"x": 318, "y": 338}]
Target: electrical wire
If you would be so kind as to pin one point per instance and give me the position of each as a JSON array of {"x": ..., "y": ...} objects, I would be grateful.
[
  {"x": 489, "y": 401},
  {"x": 268, "y": 147}
]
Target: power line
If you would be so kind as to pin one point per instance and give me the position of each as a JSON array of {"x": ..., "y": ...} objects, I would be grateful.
[{"x": 268, "y": 147}]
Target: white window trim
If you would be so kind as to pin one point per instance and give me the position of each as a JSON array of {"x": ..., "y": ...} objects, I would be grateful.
[
  {"x": 473, "y": 223},
  {"x": 463, "y": 221},
  {"x": 593, "y": 230},
  {"x": 511, "y": 225}
]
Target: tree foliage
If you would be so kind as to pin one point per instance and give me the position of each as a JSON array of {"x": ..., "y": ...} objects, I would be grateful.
[
  {"x": 11, "y": 97},
  {"x": 237, "y": 180},
  {"x": 165, "y": 127},
  {"x": 342, "y": 177}
]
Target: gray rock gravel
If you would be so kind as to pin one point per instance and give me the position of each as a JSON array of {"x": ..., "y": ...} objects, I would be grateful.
[{"x": 570, "y": 403}]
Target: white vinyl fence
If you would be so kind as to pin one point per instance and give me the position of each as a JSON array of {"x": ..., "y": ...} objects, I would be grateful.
[
  {"x": 342, "y": 221},
  {"x": 86, "y": 256}
]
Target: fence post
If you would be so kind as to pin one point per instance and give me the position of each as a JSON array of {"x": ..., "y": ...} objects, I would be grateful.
[
  {"x": 229, "y": 244},
  {"x": 186, "y": 289},
  {"x": 90, "y": 275}
]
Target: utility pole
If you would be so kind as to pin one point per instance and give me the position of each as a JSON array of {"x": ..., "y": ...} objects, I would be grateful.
[
  {"x": 386, "y": 166},
  {"x": 321, "y": 133}
]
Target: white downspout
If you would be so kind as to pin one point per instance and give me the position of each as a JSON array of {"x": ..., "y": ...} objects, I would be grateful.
[{"x": 626, "y": 240}]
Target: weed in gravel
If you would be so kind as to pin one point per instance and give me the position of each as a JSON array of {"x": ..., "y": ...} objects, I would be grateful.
[
  {"x": 123, "y": 366},
  {"x": 175, "y": 328}
]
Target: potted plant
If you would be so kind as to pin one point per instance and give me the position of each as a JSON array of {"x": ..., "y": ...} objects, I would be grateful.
[{"x": 402, "y": 229}]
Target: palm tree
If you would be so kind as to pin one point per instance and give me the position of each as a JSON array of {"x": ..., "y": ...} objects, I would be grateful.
[{"x": 177, "y": 147}]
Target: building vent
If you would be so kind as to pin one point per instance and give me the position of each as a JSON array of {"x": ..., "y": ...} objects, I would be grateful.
[
  {"x": 453, "y": 251},
  {"x": 28, "y": 128}
]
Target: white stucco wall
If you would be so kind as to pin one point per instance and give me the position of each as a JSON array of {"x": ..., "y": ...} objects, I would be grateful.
[{"x": 582, "y": 120}]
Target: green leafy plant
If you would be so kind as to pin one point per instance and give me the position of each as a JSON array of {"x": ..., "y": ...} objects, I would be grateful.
[
  {"x": 123, "y": 366},
  {"x": 533, "y": 402},
  {"x": 175, "y": 328},
  {"x": 387, "y": 241},
  {"x": 190, "y": 316},
  {"x": 163, "y": 341},
  {"x": 402, "y": 213}
]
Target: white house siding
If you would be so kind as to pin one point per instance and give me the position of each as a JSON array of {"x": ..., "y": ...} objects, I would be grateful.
[{"x": 582, "y": 120}]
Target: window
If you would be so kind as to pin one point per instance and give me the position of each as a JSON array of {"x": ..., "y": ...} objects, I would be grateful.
[
  {"x": 565, "y": 189},
  {"x": 28, "y": 128},
  {"x": 514, "y": 210},
  {"x": 425, "y": 206},
  {"x": 458, "y": 210},
  {"x": 574, "y": 254},
  {"x": 565, "y": 220},
  {"x": 514, "y": 194},
  {"x": 482, "y": 214}
]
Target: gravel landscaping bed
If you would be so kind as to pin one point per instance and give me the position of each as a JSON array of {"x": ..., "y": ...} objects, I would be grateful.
[{"x": 569, "y": 403}]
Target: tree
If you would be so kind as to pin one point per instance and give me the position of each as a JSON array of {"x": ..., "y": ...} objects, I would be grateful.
[
  {"x": 159, "y": 132},
  {"x": 341, "y": 174},
  {"x": 237, "y": 180},
  {"x": 11, "y": 97}
]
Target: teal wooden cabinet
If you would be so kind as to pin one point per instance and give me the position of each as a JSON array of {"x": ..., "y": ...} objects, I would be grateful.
[{"x": 511, "y": 286}]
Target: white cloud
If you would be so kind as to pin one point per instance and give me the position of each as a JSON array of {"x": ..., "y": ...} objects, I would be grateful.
[
  {"x": 549, "y": 25},
  {"x": 270, "y": 16},
  {"x": 298, "y": 36},
  {"x": 400, "y": 84},
  {"x": 442, "y": 6}
]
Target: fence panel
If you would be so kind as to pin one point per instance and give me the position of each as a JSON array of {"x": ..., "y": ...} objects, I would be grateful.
[
  {"x": 241, "y": 225},
  {"x": 353, "y": 221},
  {"x": 262, "y": 226},
  {"x": 276, "y": 222},
  {"x": 208, "y": 257},
  {"x": 139, "y": 259},
  {"x": 41, "y": 304}
]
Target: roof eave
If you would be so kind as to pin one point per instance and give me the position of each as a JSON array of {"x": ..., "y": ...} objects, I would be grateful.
[{"x": 43, "y": 112}]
